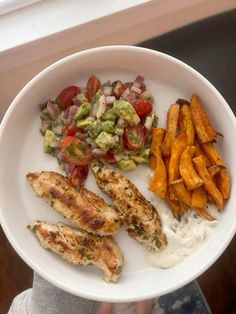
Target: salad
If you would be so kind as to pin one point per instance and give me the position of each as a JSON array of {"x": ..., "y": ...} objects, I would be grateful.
[{"x": 110, "y": 121}]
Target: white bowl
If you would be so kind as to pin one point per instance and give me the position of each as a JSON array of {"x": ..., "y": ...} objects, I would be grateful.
[{"x": 21, "y": 151}]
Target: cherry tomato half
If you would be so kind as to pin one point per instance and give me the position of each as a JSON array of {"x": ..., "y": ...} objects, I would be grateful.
[
  {"x": 64, "y": 99},
  {"x": 78, "y": 175},
  {"x": 93, "y": 85},
  {"x": 134, "y": 137},
  {"x": 109, "y": 156},
  {"x": 75, "y": 151},
  {"x": 143, "y": 107},
  {"x": 71, "y": 129},
  {"x": 124, "y": 87}
]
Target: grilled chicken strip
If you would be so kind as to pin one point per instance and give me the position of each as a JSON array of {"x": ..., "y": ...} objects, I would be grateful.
[
  {"x": 139, "y": 215},
  {"x": 83, "y": 208},
  {"x": 80, "y": 248}
]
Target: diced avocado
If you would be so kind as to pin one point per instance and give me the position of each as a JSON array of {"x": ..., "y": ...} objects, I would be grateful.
[
  {"x": 101, "y": 106},
  {"x": 82, "y": 111},
  {"x": 119, "y": 131},
  {"x": 145, "y": 152},
  {"x": 98, "y": 94},
  {"x": 86, "y": 123},
  {"x": 105, "y": 141},
  {"x": 142, "y": 157},
  {"x": 95, "y": 128},
  {"x": 57, "y": 129},
  {"x": 139, "y": 159},
  {"x": 126, "y": 164},
  {"x": 109, "y": 114},
  {"x": 108, "y": 126},
  {"x": 49, "y": 141},
  {"x": 126, "y": 111},
  {"x": 44, "y": 114},
  {"x": 81, "y": 97}
]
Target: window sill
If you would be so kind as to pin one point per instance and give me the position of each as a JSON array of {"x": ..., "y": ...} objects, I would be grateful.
[{"x": 40, "y": 30}]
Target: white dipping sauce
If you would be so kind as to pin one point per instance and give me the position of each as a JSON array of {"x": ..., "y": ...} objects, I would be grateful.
[{"x": 183, "y": 237}]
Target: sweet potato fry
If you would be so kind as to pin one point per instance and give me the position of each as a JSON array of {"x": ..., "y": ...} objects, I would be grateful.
[
  {"x": 187, "y": 170},
  {"x": 171, "y": 193},
  {"x": 158, "y": 183},
  {"x": 199, "y": 151},
  {"x": 185, "y": 123},
  {"x": 209, "y": 199},
  {"x": 223, "y": 182},
  {"x": 204, "y": 213},
  {"x": 178, "y": 147},
  {"x": 157, "y": 138},
  {"x": 171, "y": 128},
  {"x": 213, "y": 170},
  {"x": 152, "y": 161},
  {"x": 182, "y": 101},
  {"x": 203, "y": 126},
  {"x": 166, "y": 160},
  {"x": 175, "y": 206},
  {"x": 209, "y": 185},
  {"x": 199, "y": 198},
  {"x": 180, "y": 190},
  {"x": 212, "y": 154},
  {"x": 184, "y": 208}
]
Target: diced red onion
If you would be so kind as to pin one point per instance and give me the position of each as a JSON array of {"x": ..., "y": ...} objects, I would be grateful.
[
  {"x": 76, "y": 101},
  {"x": 57, "y": 129},
  {"x": 107, "y": 90},
  {"x": 110, "y": 99},
  {"x": 66, "y": 113},
  {"x": 45, "y": 125},
  {"x": 98, "y": 153},
  {"x": 80, "y": 135},
  {"x": 138, "y": 81},
  {"x": 72, "y": 111},
  {"x": 44, "y": 105},
  {"x": 136, "y": 89},
  {"x": 53, "y": 109},
  {"x": 131, "y": 97},
  {"x": 120, "y": 121},
  {"x": 126, "y": 93},
  {"x": 148, "y": 122},
  {"x": 90, "y": 141},
  {"x": 116, "y": 138}
]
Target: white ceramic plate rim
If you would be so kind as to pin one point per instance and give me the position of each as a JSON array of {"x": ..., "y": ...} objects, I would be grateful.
[{"x": 27, "y": 258}]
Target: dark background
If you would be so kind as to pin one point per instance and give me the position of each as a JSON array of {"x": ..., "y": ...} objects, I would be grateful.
[{"x": 209, "y": 46}]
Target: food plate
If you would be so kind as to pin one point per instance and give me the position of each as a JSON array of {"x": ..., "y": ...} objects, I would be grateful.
[{"x": 21, "y": 152}]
